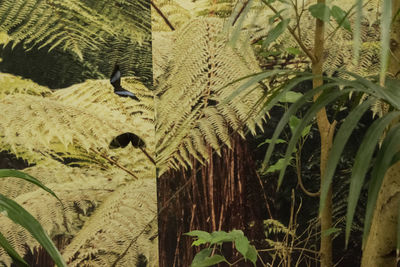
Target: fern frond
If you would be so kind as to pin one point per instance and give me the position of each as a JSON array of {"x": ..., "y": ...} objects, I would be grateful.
[
  {"x": 191, "y": 112},
  {"x": 109, "y": 231},
  {"x": 10, "y": 84}
]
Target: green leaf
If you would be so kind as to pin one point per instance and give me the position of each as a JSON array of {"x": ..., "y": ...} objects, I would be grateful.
[
  {"x": 268, "y": 141},
  {"x": 221, "y": 236},
  {"x": 357, "y": 31},
  {"x": 361, "y": 163},
  {"x": 203, "y": 237},
  {"x": 242, "y": 245},
  {"x": 320, "y": 11},
  {"x": 252, "y": 254},
  {"x": 278, "y": 165},
  {"x": 26, "y": 177},
  {"x": 275, "y": 32},
  {"x": 293, "y": 50},
  {"x": 339, "y": 143},
  {"x": 386, "y": 20},
  {"x": 293, "y": 123},
  {"x": 203, "y": 259},
  {"x": 398, "y": 232},
  {"x": 276, "y": 16},
  {"x": 324, "y": 99},
  {"x": 11, "y": 252},
  {"x": 290, "y": 97},
  {"x": 341, "y": 17},
  {"x": 331, "y": 231},
  {"x": 19, "y": 215},
  {"x": 389, "y": 148},
  {"x": 273, "y": 99}
]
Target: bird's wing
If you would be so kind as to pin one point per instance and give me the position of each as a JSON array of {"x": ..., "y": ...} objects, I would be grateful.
[
  {"x": 124, "y": 93},
  {"x": 116, "y": 76}
]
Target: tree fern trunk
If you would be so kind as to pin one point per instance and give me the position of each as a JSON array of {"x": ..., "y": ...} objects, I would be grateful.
[{"x": 219, "y": 196}]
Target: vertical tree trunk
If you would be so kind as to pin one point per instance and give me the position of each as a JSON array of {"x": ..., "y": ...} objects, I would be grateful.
[
  {"x": 326, "y": 130},
  {"x": 381, "y": 243}
]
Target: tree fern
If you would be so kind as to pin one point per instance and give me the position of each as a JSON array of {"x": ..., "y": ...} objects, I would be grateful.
[{"x": 190, "y": 108}]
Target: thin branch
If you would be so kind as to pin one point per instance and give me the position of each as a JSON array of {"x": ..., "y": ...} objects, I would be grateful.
[
  {"x": 114, "y": 163},
  {"x": 163, "y": 16},
  {"x": 293, "y": 33},
  {"x": 240, "y": 12},
  {"x": 299, "y": 180}
]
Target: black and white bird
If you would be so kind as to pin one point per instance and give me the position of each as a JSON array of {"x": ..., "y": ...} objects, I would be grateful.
[{"x": 116, "y": 83}]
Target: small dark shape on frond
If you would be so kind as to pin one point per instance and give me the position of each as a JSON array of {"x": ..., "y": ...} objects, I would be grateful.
[
  {"x": 124, "y": 139},
  {"x": 115, "y": 81}
]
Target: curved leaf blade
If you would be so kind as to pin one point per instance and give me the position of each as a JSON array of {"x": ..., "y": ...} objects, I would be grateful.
[
  {"x": 363, "y": 157},
  {"x": 11, "y": 252},
  {"x": 26, "y": 177},
  {"x": 339, "y": 143},
  {"x": 390, "y": 147},
  {"x": 19, "y": 215}
]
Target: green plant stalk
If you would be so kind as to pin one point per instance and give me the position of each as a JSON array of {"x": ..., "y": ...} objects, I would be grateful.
[{"x": 326, "y": 130}]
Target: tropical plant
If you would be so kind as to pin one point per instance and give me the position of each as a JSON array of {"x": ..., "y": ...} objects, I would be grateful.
[
  {"x": 19, "y": 215},
  {"x": 215, "y": 240},
  {"x": 109, "y": 207}
]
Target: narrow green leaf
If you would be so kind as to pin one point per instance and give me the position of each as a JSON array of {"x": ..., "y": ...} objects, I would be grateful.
[
  {"x": 341, "y": 17},
  {"x": 320, "y": 11},
  {"x": 293, "y": 50},
  {"x": 11, "y": 252},
  {"x": 290, "y": 97},
  {"x": 339, "y": 143},
  {"x": 398, "y": 232},
  {"x": 324, "y": 99},
  {"x": 26, "y": 177},
  {"x": 268, "y": 141},
  {"x": 276, "y": 16},
  {"x": 19, "y": 215},
  {"x": 390, "y": 147},
  {"x": 252, "y": 80},
  {"x": 292, "y": 110},
  {"x": 361, "y": 163},
  {"x": 386, "y": 20},
  {"x": 277, "y": 166},
  {"x": 357, "y": 31},
  {"x": 331, "y": 231},
  {"x": 275, "y": 32},
  {"x": 293, "y": 123}
]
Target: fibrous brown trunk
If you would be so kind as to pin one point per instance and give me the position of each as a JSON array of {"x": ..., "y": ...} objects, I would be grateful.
[{"x": 221, "y": 195}]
